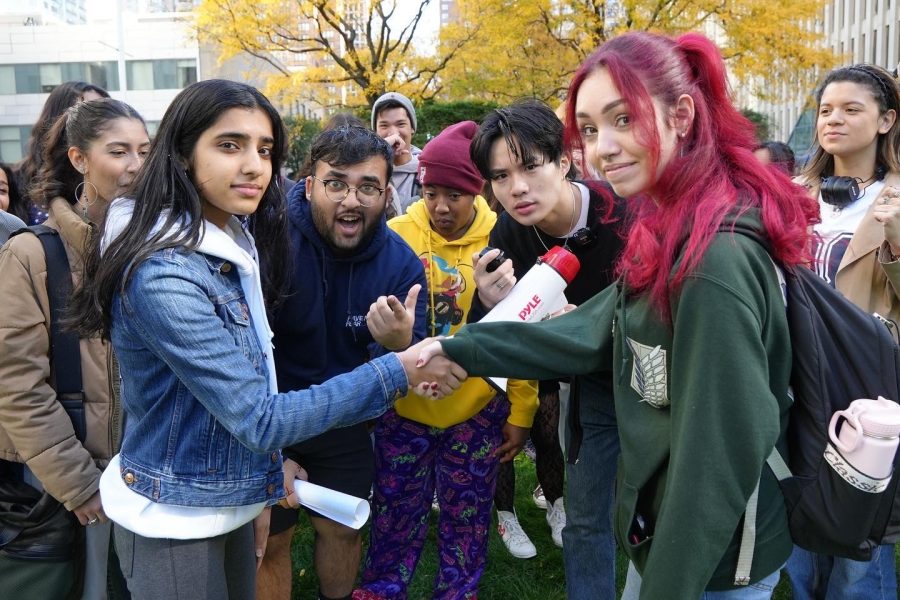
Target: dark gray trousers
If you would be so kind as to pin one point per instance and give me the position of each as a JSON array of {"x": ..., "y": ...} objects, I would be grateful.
[{"x": 218, "y": 568}]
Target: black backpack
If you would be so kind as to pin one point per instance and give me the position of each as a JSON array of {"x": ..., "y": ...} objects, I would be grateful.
[
  {"x": 840, "y": 354},
  {"x": 40, "y": 541},
  {"x": 65, "y": 349}
]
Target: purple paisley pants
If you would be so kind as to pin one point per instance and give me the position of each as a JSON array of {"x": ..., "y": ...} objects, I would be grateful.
[{"x": 411, "y": 460}]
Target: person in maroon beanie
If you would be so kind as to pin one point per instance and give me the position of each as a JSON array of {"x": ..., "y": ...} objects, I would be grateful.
[{"x": 449, "y": 448}]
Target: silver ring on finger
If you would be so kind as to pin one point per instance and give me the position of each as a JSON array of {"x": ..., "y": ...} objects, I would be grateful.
[{"x": 500, "y": 284}]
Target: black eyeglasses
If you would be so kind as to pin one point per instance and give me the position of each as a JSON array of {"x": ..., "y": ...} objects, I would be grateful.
[{"x": 337, "y": 191}]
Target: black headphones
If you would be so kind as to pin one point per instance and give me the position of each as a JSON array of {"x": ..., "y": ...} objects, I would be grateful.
[{"x": 841, "y": 191}]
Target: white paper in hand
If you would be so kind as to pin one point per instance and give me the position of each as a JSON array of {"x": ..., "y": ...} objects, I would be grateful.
[{"x": 345, "y": 509}]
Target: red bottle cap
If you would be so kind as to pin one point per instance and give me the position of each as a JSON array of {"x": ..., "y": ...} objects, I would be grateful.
[{"x": 563, "y": 262}]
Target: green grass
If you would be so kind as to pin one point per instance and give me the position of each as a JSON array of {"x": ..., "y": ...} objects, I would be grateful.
[{"x": 505, "y": 578}]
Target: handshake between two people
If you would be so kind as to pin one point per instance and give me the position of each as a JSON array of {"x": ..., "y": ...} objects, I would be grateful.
[{"x": 430, "y": 372}]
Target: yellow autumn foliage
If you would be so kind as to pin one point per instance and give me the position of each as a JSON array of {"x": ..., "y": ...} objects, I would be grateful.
[
  {"x": 532, "y": 47},
  {"x": 340, "y": 52},
  {"x": 334, "y": 52}
]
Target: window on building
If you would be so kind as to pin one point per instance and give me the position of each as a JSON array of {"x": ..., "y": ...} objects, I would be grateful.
[
  {"x": 185, "y": 72},
  {"x": 7, "y": 80},
  {"x": 28, "y": 79},
  {"x": 164, "y": 75},
  {"x": 51, "y": 76},
  {"x": 104, "y": 74},
  {"x": 42, "y": 78},
  {"x": 11, "y": 149},
  {"x": 140, "y": 74},
  {"x": 874, "y": 60},
  {"x": 161, "y": 74},
  {"x": 887, "y": 43}
]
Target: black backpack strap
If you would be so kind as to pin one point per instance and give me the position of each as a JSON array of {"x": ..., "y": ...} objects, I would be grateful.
[
  {"x": 65, "y": 352},
  {"x": 576, "y": 432}
]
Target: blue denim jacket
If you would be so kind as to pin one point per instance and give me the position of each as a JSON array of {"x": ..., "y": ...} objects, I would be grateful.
[{"x": 202, "y": 428}]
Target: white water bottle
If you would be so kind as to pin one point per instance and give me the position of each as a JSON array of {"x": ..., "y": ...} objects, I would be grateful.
[
  {"x": 537, "y": 294},
  {"x": 867, "y": 441}
]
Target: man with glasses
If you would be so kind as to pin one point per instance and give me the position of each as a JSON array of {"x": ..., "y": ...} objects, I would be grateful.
[{"x": 357, "y": 291}]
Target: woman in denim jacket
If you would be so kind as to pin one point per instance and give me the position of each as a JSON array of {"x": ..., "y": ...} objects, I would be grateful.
[{"x": 176, "y": 284}]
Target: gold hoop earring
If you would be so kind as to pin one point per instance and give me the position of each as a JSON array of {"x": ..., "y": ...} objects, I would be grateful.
[{"x": 85, "y": 205}]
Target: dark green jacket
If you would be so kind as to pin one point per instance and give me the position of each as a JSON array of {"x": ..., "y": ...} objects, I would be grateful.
[{"x": 700, "y": 404}]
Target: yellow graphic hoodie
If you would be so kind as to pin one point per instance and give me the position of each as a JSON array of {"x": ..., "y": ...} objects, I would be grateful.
[{"x": 451, "y": 287}]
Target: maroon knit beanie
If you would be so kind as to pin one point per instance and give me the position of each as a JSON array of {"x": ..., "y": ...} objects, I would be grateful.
[{"x": 445, "y": 160}]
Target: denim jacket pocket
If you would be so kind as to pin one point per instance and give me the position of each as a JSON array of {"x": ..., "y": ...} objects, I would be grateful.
[{"x": 235, "y": 314}]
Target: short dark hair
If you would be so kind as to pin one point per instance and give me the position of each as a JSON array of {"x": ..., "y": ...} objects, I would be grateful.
[
  {"x": 337, "y": 120},
  {"x": 352, "y": 145},
  {"x": 780, "y": 154},
  {"x": 343, "y": 119},
  {"x": 389, "y": 104},
  {"x": 531, "y": 130}
]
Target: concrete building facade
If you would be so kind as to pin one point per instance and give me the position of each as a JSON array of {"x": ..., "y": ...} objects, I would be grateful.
[{"x": 143, "y": 59}]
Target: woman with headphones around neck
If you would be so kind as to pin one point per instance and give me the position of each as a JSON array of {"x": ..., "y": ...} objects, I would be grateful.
[{"x": 855, "y": 173}]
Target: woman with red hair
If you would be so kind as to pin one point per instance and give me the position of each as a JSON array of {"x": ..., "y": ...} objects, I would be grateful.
[{"x": 695, "y": 333}]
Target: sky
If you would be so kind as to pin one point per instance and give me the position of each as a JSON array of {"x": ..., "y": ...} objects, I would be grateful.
[
  {"x": 431, "y": 20},
  {"x": 425, "y": 33}
]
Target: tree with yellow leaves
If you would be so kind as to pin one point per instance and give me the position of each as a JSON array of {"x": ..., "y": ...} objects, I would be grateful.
[
  {"x": 348, "y": 52},
  {"x": 532, "y": 47},
  {"x": 335, "y": 52}
]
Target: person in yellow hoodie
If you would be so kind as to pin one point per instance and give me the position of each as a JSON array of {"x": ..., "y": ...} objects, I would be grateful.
[{"x": 455, "y": 445}]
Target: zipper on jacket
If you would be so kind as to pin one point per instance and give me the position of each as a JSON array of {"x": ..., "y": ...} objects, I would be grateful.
[{"x": 112, "y": 373}]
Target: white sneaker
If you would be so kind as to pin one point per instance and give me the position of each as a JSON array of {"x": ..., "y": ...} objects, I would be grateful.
[
  {"x": 556, "y": 518},
  {"x": 514, "y": 537},
  {"x": 538, "y": 497}
]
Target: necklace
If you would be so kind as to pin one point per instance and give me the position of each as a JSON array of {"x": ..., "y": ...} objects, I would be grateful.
[
  {"x": 861, "y": 182},
  {"x": 572, "y": 188}
]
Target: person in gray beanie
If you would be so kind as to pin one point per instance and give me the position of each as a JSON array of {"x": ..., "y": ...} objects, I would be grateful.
[{"x": 394, "y": 119}]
